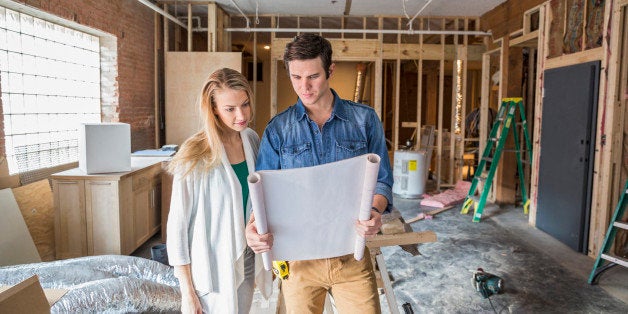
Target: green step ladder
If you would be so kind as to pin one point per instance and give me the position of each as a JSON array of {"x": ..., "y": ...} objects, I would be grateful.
[
  {"x": 493, "y": 152},
  {"x": 615, "y": 224}
]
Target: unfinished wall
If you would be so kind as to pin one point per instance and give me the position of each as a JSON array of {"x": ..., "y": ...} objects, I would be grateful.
[{"x": 506, "y": 17}]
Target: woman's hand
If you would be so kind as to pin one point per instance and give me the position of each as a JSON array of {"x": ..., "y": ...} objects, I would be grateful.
[
  {"x": 259, "y": 243},
  {"x": 190, "y": 304}
]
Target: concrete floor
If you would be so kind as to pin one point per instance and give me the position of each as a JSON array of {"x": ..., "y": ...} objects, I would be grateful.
[{"x": 541, "y": 274}]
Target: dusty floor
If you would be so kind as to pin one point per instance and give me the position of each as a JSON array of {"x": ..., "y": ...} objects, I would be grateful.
[
  {"x": 502, "y": 244},
  {"x": 540, "y": 273}
]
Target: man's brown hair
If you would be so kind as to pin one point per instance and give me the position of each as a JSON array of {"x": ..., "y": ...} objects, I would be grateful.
[{"x": 308, "y": 46}]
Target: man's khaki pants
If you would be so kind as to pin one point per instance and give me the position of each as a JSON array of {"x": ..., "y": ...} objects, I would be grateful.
[{"x": 350, "y": 282}]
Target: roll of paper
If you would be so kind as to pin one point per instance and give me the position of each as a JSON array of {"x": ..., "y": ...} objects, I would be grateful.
[
  {"x": 366, "y": 202},
  {"x": 256, "y": 191}
]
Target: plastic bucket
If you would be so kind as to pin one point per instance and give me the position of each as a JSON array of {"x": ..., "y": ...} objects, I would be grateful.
[{"x": 158, "y": 253}]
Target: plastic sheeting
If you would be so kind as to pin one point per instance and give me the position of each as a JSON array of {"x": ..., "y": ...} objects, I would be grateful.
[{"x": 108, "y": 283}]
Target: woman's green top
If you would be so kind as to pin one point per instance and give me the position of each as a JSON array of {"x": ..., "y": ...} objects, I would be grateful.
[{"x": 242, "y": 172}]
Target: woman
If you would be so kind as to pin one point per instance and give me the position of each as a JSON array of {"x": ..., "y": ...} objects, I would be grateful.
[{"x": 210, "y": 205}]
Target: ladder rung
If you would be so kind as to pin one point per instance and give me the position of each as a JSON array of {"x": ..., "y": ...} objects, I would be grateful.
[
  {"x": 480, "y": 178},
  {"x": 487, "y": 158},
  {"x": 621, "y": 225},
  {"x": 525, "y": 162},
  {"x": 513, "y": 150},
  {"x": 493, "y": 139},
  {"x": 616, "y": 259}
]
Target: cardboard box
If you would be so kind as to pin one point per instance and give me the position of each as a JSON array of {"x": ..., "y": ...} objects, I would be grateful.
[
  {"x": 104, "y": 147},
  {"x": 25, "y": 297}
]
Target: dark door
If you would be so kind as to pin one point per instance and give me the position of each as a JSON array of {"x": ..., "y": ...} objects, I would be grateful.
[{"x": 567, "y": 147}]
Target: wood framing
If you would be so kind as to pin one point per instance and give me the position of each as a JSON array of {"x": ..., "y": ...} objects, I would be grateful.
[{"x": 608, "y": 133}]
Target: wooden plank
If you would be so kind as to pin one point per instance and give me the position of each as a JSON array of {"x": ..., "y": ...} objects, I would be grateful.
[
  {"x": 211, "y": 27},
  {"x": 527, "y": 40},
  {"x": 157, "y": 70},
  {"x": 166, "y": 25},
  {"x": 378, "y": 88},
  {"x": 608, "y": 113},
  {"x": 401, "y": 239},
  {"x": 575, "y": 58},
  {"x": 544, "y": 27},
  {"x": 422, "y": 216},
  {"x": 343, "y": 49},
  {"x": 396, "y": 108},
  {"x": 189, "y": 30},
  {"x": 390, "y": 293},
  {"x": 484, "y": 101},
  {"x": 441, "y": 91},
  {"x": 37, "y": 207}
]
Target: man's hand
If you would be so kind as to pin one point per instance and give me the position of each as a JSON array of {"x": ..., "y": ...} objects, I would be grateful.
[
  {"x": 369, "y": 228},
  {"x": 259, "y": 243}
]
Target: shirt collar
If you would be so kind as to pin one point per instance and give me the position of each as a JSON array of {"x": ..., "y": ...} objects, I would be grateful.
[{"x": 339, "y": 109}]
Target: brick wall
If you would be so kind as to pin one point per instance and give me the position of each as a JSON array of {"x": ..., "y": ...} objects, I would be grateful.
[{"x": 132, "y": 23}]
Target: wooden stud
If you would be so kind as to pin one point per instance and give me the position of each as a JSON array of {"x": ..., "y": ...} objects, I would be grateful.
[
  {"x": 190, "y": 31},
  {"x": 453, "y": 114},
  {"x": 542, "y": 53},
  {"x": 397, "y": 93},
  {"x": 608, "y": 113},
  {"x": 419, "y": 98},
  {"x": 273, "y": 72},
  {"x": 166, "y": 25},
  {"x": 156, "y": 46},
  {"x": 254, "y": 72},
  {"x": 212, "y": 25},
  {"x": 441, "y": 88}
]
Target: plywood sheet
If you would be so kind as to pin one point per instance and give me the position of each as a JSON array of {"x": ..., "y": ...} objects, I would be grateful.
[
  {"x": 36, "y": 204},
  {"x": 185, "y": 74},
  {"x": 16, "y": 244}
]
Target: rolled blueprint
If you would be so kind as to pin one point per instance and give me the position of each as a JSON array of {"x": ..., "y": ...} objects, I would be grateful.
[
  {"x": 312, "y": 211},
  {"x": 370, "y": 179},
  {"x": 256, "y": 191}
]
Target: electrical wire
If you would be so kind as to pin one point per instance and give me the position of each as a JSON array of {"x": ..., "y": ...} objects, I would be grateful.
[{"x": 491, "y": 302}]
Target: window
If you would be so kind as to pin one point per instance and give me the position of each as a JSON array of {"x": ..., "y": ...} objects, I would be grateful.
[{"x": 50, "y": 82}]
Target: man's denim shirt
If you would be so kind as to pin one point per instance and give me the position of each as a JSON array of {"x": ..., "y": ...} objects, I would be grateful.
[{"x": 293, "y": 140}]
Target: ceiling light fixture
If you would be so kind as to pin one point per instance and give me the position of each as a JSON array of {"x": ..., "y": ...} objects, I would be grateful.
[{"x": 267, "y": 47}]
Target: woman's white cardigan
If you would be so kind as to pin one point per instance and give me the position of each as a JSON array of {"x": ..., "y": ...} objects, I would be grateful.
[{"x": 206, "y": 229}]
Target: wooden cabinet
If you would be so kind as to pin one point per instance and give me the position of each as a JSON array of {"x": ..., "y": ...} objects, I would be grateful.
[{"x": 111, "y": 213}]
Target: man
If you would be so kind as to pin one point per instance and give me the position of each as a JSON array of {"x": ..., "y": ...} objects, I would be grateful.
[{"x": 322, "y": 128}]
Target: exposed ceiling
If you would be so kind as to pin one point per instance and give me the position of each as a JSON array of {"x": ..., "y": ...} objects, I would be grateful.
[{"x": 359, "y": 7}]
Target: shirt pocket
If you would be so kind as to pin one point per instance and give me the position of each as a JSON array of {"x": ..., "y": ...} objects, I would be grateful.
[
  {"x": 296, "y": 156},
  {"x": 350, "y": 148}
]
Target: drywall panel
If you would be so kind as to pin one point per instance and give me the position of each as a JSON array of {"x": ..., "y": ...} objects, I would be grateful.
[
  {"x": 185, "y": 75},
  {"x": 16, "y": 244}
]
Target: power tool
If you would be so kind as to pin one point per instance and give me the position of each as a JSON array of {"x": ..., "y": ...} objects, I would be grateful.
[
  {"x": 280, "y": 268},
  {"x": 487, "y": 284}
]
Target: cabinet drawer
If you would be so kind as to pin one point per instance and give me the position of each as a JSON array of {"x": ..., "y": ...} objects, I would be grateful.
[{"x": 143, "y": 179}]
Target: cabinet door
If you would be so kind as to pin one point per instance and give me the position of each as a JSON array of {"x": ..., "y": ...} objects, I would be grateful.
[
  {"x": 103, "y": 217},
  {"x": 70, "y": 229},
  {"x": 141, "y": 209},
  {"x": 155, "y": 208}
]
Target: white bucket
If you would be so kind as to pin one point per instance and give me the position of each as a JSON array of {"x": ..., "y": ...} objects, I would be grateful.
[{"x": 409, "y": 173}]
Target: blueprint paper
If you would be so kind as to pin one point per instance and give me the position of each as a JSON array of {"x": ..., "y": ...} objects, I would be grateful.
[{"x": 312, "y": 211}]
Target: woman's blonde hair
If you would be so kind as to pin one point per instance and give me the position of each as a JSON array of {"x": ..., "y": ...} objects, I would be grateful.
[{"x": 204, "y": 149}]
